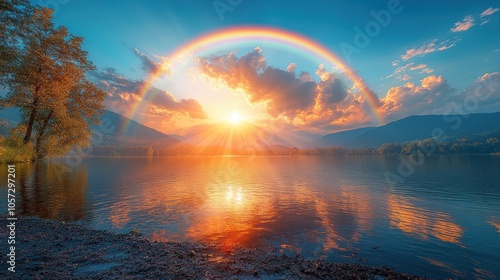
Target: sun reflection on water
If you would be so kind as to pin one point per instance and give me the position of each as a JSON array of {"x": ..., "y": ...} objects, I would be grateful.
[{"x": 234, "y": 196}]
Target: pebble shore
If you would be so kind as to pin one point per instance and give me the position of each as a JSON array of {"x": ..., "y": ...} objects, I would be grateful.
[{"x": 54, "y": 250}]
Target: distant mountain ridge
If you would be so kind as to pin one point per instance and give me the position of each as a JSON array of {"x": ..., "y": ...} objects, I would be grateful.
[
  {"x": 342, "y": 138},
  {"x": 127, "y": 132},
  {"x": 124, "y": 132},
  {"x": 414, "y": 128}
]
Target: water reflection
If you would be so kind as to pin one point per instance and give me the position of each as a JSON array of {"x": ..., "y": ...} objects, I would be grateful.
[
  {"x": 43, "y": 193},
  {"x": 456, "y": 272},
  {"x": 495, "y": 223},
  {"x": 230, "y": 215},
  {"x": 480, "y": 273},
  {"x": 119, "y": 215},
  {"x": 421, "y": 222},
  {"x": 319, "y": 206},
  {"x": 231, "y": 205}
]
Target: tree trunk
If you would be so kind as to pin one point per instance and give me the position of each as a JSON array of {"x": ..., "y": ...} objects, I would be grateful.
[
  {"x": 41, "y": 133},
  {"x": 31, "y": 121}
]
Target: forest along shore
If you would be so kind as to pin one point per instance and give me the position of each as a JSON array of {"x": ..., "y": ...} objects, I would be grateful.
[{"x": 48, "y": 249}]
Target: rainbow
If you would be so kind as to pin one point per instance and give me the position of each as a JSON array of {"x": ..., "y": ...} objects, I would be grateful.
[{"x": 260, "y": 34}]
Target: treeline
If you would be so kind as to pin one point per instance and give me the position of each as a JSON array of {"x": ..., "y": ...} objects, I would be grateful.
[
  {"x": 178, "y": 150},
  {"x": 479, "y": 143},
  {"x": 428, "y": 147}
]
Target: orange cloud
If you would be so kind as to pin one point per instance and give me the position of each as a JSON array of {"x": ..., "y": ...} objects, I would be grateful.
[
  {"x": 430, "y": 47},
  {"x": 489, "y": 12},
  {"x": 154, "y": 108},
  {"x": 464, "y": 25},
  {"x": 149, "y": 65},
  {"x": 435, "y": 96},
  {"x": 410, "y": 99},
  {"x": 433, "y": 82},
  {"x": 326, "y": 104},
  {"x": 291, "y": 67},
  {"x": 401, "y": 72}
]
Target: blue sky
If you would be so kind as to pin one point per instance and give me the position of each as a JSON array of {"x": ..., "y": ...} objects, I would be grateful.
[{"x": 406, "y": 50}]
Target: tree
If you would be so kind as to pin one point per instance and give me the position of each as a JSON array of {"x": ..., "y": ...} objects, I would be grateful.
[
  {"x": 149, "y": 151},
  {"x": 46, "y": 80},
  {"x": 293, "y": 151},
  {"x": 62, "y": 127},
  {"x": 389, "y": 148},
  {"x": 11, "y": 18}
]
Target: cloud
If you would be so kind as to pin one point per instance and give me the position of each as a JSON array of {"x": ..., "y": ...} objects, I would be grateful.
[
  {"x": 435, "y": 96},
  {"x": 430, "y": 47},
  {"x": 149, "y": 65},
  {"x": 489, "y": 12},
  {"x": 485, "y": 21},
  {"x": 283, "y": 93},
  {"x": 123, "y": 96},
  {"x": 405, "y": 77},
  {"x": 330, "y": 89},
  {"x": 464, "y": 25},
  {"x": 402, "y": 72},
  {"x": 426, "y": 71},
  {"x": 484, "y": 94},
  {"x": 411, "y": 99},
  {"x": 420, "y": 66},
  {"x": 299, "y": 99}
]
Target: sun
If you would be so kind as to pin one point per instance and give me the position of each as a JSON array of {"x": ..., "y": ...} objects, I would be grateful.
[{"x": 235, "y": 118}]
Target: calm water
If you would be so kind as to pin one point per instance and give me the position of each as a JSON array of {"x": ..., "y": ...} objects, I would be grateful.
[{"x": 442, "y": 221}]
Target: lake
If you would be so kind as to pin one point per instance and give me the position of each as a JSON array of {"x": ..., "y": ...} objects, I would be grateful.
[{"x": 442, "y": 219}]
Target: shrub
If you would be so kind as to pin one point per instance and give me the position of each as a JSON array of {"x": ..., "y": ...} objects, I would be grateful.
[{"x": 12, "y": 148}]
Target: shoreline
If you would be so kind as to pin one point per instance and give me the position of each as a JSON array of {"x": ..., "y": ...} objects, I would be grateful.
[
  {"x": 50, "y": 159},
  {"x": 48, "y": 249}
]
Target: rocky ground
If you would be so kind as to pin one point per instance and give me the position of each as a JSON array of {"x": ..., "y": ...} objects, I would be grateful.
[{"x": 55, "y": 250}]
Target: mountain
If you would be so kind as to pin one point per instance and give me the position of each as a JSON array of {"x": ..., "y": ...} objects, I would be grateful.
[
  {"x": 414, "y": 128},
  {"x": 121, "y": 131},
  {"x": 343, "y": 138},
  {"x": 115, "y": 130}
]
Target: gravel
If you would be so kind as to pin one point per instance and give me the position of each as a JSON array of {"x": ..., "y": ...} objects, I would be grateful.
[{"x": 48, "y": 249}]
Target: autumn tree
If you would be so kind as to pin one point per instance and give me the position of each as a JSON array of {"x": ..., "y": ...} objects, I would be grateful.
[
  {"x": 46, "y": 80},
  {"x": 11, "y": 15},
  {"x": 61, "y": 127}
]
